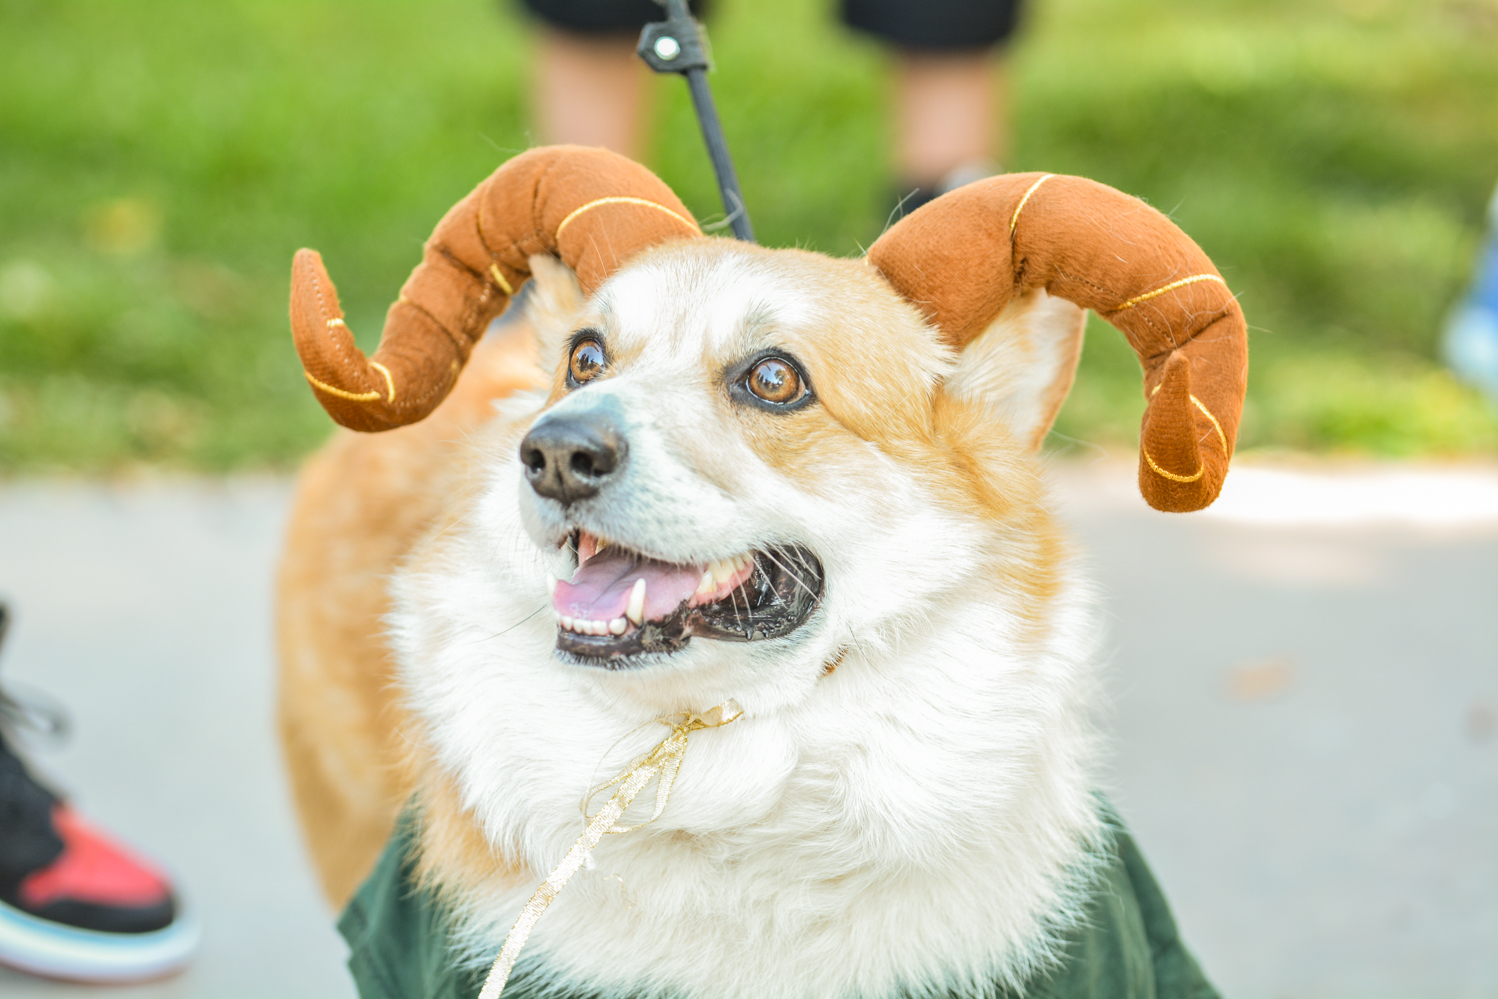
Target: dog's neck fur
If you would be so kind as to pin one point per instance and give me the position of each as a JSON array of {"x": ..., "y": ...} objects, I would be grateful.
[
  {"x": 896, "y": 830},
  {"x": 922, "y": 818}
]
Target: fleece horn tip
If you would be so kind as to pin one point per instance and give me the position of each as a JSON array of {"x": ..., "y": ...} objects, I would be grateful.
[{"x": 1181, "y": 467}]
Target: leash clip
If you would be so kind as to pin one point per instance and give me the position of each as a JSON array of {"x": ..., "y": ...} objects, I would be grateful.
[{"x": 677, "y": 45}]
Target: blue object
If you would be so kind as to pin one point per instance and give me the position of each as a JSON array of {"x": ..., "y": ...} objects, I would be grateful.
[{"x": 1471, "y": 336}]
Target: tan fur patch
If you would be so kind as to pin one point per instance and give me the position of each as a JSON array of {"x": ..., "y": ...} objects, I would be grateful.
[
  {"x": 361, "y": 505},
  {"x": 455, "y": 859}
]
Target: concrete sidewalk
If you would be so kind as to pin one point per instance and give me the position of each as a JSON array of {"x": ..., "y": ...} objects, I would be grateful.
[
  {"x": 146, "y": 610},
  {"x": 1306, "y": 680}
]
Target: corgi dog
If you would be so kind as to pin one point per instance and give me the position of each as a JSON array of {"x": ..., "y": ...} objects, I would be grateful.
[{"x": 703, "y": 473}]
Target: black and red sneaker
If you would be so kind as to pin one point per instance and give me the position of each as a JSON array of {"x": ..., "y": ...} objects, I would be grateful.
[{"x": 74, "y": 904}]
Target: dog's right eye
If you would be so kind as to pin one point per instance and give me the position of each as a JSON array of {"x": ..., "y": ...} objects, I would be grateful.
[
  {"x": 775, "y": 382},
  {"x": 587, "y": 362}
]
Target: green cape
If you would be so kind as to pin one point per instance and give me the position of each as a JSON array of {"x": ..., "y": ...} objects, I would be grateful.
[{"x": 1126, "y": 948}]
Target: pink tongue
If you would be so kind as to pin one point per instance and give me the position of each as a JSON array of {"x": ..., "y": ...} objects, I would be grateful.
[{"x": 600, "y": 588}]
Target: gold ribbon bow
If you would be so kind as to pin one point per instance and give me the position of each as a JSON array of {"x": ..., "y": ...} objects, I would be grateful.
[{"x": 663, "y": 762}]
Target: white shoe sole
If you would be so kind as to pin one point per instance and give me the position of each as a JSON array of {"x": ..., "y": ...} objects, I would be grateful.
[{"x": 53, "y": 950}]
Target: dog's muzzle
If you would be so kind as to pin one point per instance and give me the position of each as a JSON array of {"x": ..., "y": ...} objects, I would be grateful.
[
  {"x": 772, "y": 595},
  {"x": 572, "y": 457}
]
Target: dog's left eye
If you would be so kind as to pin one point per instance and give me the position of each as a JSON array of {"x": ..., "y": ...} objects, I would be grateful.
[
  {"x": 587, "y": 362},
  {"x": 776, "y": 381}
]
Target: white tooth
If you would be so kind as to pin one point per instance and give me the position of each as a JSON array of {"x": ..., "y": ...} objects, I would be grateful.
[
  {"x": 707, "y": 585},
  {"x": 720, "y": 570},
  {"x": 636, "y": 609},
  {"x": 564, "y": 621},
  {"x": 602, "y": 544},
  {"x": 600, "y": 627},
  {"x": 551, "y": 586},
  {"x": 617, "y": 625}
]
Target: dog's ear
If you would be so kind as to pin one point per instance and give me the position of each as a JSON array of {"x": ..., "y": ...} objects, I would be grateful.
[
  {"x": 553, "y": 305},
  {"x": 592, "y": 208},
  {"x": 985, "y": 262},
  {"x": 1022, "y": 366}
]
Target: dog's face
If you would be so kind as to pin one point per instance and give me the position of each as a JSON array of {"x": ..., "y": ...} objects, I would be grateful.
[
  {"x": 804, "y": 475},
  {"x": 754, "y": 468},
  {"x": 751, "y": 459}
]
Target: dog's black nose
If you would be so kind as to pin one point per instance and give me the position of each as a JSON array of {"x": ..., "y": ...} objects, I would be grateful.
[{"x": 569, "y": 458}]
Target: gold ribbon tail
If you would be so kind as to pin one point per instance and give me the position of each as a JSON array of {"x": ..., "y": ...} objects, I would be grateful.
[{"x": 663, "y": 762}]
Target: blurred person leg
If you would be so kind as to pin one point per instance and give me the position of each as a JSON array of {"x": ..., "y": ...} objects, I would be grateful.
[
  {"x": 950, "y": 89},
  {"x": 589, "y": 87},
  {"x": 949, "y": 117},
  {"x": 75, "y": 904},
  {"x": 950, "y": 101},
  {"x": 591, "y": 90},
  {"x": 1471, "y": 336}
]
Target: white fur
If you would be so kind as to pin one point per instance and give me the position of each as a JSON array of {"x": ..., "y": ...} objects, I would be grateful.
[
  {"x": 1024, "y": 362},
  {"x": 921, "y": 818}
]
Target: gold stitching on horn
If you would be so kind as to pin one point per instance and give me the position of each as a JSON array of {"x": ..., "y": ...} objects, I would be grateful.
[
  {"x": 1221, "y": 437},
  {"x": 340, "y": 393},
  {"x": 1193, "y": 279},
  {"x": 621, "y": 199},
  {"x": 390, "y": 382},
  {"x": 499, "y": 279},
  {"x": 337, "y": 321},
  {"x": 1173, "y": 477},
  {"x": 1014, "y": 219}
]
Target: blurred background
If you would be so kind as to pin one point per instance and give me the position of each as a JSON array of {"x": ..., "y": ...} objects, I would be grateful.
[
  {"x": 159, "y": 165},
  {"x": 1314, "y": 776}
]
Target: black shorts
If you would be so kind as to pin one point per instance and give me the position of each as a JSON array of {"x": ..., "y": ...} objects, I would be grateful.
[
  {"x": 940, "y": 25},
  {"x": 602, "y": 17}
]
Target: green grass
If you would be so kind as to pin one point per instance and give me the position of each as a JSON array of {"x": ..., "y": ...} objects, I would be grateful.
[{"x": 161, "y": 161}]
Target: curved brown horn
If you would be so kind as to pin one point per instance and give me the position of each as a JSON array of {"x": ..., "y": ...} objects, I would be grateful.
[
  {"x": 963, "y": 257},
  {"x": 592, "y": 208}
]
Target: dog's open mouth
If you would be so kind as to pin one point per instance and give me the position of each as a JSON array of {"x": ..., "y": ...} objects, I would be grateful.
[{"x": 621, "y": 605}]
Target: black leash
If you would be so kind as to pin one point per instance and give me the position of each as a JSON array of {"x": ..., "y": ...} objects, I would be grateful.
[{"x": 675, "y": 46}]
